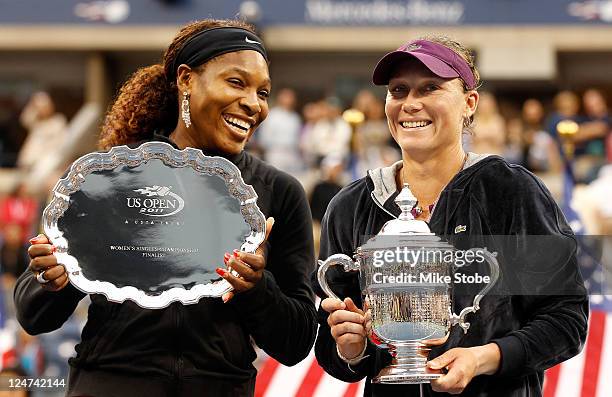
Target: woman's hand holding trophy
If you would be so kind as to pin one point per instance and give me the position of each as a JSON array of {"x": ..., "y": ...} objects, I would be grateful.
[{"x": 348, "y": 326}]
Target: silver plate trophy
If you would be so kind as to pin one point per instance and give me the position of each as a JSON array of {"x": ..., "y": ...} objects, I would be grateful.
[
  {"x": 151, "y": 224},
  {"x": 406, "y": 279}
]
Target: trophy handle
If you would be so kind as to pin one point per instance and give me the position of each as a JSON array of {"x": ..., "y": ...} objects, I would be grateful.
[
  {"x": 334, "y": 260},
  {"x": 494, "y": 274}
]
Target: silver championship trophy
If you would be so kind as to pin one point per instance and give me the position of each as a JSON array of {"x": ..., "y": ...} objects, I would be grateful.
[{"x": 406, "y": 281}]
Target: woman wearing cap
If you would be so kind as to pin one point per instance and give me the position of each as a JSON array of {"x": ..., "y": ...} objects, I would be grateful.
[
  {"x": 216, "y": 73},
  {"x": 431, "y": 98}
]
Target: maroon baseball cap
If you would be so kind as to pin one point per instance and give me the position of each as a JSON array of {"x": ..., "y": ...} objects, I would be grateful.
[{"x": 441, "y": 60}]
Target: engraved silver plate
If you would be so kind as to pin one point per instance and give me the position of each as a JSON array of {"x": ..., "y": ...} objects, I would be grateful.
[{"x": 151, "y": 224}]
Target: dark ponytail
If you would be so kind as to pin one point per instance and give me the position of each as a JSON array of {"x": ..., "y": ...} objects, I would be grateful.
[{"x": 146, "y": 103}]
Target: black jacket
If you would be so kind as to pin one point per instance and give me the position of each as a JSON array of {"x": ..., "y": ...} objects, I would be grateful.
[
  {"x": 202, "y": 349},
  {"x": 540, "y": 319}
]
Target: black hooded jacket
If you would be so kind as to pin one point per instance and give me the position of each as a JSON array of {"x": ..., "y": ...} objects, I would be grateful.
[
  {"x": 202, "y": 349},
  {"x": 537, "y": 314}
]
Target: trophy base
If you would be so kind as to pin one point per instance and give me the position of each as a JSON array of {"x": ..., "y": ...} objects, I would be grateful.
[
  {"x": 405, "y": 375},
  {"x": 408, "y": 366}
]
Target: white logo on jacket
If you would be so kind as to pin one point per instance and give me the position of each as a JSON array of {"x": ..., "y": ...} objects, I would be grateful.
[{"x": 460, "y": 228}]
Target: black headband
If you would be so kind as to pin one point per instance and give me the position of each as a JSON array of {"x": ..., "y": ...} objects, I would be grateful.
[{"x": 214, "y": 42}]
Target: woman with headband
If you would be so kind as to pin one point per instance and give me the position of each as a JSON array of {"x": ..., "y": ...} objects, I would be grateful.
[
  {"x": 210, "y": 93},
  {"x": 537, "y": 316}
]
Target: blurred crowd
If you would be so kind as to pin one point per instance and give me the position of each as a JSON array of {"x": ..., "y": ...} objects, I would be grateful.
[
  {"x": 531, "y": 139},
  {"x": 321, "y": 143},
  {"x": 31, "y": 164},
  {"x": 326, "y": 146},
  {"x": 527, "y": 134}
]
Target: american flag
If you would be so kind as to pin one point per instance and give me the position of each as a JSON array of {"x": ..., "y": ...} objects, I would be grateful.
[
  {"x": 585, "y": 374},
  {"x": 581, "y": 376},
  {"x": 306, "y": 379}
]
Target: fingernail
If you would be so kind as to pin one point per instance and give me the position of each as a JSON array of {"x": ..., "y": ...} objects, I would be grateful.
[
  {"x": 225, "y": 298},
  {"x": 221, "y": 272},
  {"x": 433, "y": 364},
  {"x": 53, "y": 248},
  {"x": 236, "y": 253},
  {"x": 34, "y": 239},
  {"x": 226, "y": 257}
]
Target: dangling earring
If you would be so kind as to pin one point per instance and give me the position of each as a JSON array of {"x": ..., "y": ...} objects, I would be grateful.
[
  {"x": 466, "y": 122},
  {"x": 185, "y": 113}
]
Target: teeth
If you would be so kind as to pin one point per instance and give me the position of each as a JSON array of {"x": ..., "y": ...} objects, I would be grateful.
[
  {"x": 414, "y": 124},
  {"x": 237, "y": 122}
]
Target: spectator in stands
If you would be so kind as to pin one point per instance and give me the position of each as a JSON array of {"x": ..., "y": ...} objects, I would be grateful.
[
  {"x": 489, "y": 130},
  {"x": 541, "y": 152},
  {"x": 330, "y": 183},
  {"x": 13, "y": 254},
  {"x": 595, "y": 124},
  {"x": 312, "y": 113},
  {"x": 566, "y": 105},
  {"x": 21, "y": 209},
  {"x": 47, "y": 129},
  {"x": 18, "y": 218},
  {"x": 279, "y": 135},
  {"x": 11, "y": 135},
  {"x": 595, "y": 127},
  {"x": 329, "y": 134},
  {"x": 372, "y": 136}
]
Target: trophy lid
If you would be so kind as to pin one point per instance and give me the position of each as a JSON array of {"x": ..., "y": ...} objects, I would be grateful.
[
  {"x": 405, "y": 231},
  {"x": 405, "y": 224}
]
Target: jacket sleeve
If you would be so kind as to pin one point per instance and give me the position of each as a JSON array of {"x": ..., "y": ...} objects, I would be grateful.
[
  {"x": 336, "y": 238},
  {"x": 40, "y": 311},
  {"x": 279, "y": 311},
  {"x": 548, "y": 290}
]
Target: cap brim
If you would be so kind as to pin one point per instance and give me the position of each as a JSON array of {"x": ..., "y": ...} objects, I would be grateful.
[{"x": 384, "y": 67}]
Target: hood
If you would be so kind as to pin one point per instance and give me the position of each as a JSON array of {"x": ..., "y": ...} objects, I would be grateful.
[{"x": 383, "y": 186}]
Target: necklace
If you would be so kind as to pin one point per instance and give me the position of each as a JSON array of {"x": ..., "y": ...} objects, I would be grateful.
[{"x": 417, "y": 210}]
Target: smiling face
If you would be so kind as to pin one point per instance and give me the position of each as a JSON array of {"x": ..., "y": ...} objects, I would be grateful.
[
  {"x": 425, "y": 113},
  {"x": 228, "y": 100}
]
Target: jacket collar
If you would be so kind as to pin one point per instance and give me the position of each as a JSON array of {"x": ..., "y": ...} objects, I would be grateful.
[
  {"x": 384, "y": 181},
  {"x": 383, "y": 187}
]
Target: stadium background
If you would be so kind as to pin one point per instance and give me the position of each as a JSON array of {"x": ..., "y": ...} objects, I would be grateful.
[{"x": 80, "y": 52}]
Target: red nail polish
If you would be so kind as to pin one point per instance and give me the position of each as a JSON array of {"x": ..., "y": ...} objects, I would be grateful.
[
  {"x": 53, "y": 248},
  {"x": 33, "y": 240},
  {"x": 220, "y": 272},
  {"x": 236, "y": 253},
  {"x": 226, "y": 257}
]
